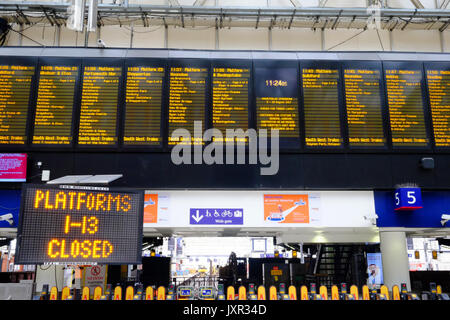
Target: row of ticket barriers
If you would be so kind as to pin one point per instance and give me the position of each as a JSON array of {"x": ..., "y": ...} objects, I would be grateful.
[{"x": 243, "y": 293}]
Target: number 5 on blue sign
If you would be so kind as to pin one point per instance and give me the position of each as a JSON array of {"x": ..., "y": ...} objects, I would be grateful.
[{"x": 408, "y": 199}]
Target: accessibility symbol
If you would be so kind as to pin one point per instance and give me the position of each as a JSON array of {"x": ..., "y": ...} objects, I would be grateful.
[{"x": 216, "y": 216}]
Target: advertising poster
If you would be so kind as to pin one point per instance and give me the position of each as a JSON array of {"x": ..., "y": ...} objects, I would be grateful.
[
  {"x": 13, "y": 167},
  {"x": 9, "y": 208},
  {"x": 286, "y": 208},
  {"x": 375, "y": 269},
  {"x": 151, "y": 208}
]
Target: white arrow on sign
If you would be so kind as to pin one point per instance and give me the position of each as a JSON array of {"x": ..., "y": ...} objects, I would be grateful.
[{"x": 197, "y": 217}]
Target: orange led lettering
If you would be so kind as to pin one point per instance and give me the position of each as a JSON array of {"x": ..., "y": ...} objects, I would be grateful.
[
  {"x": 128, "y": 206},
  {"x": 71, "y": 195},
  {"x": 96, "y": 248},
  {"x": 85, "y": 245},
  {"x": 90, "y": 202},
  {"x": 80, "y": 199},
  {"x": 114, "y": 199},
  {"x": 75, "y": 249},
  {"x": 107, "y": 249},
  {"x": 39, "y": 196},
  {"x": 93, "y": 225},
  {"x": 60, "y": 199},
  {"x": 47, "y": 205},
  {"x": 63, "y": 247},
  {"x": 50, "y": 252},
  {"x": 100, "y": 203}
]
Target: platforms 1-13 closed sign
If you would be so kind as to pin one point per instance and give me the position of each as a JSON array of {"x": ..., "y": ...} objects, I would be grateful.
[{"x": 79, "y": 225}]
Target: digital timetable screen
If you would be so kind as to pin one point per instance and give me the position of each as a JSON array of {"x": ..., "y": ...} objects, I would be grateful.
[
  {"x": 321, "y": 107},
  {"x": 15, "y": 90},
  {"x": 99, "y": 103},
  {"x": 364, "y": 107},
  {"x": 143, "y": 105},
  {"x": 79, "y": 224},
  {"x": 230, "y": 95},
  {"x": 54, "y": 105},
  {"x": 276, "y": 91},
  {"x": 406, "y": 111},
  {"x": 187, "y": 98},
  {"x": 438, "y": 81}
]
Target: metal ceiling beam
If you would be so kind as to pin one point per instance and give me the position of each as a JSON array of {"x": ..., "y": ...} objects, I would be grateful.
[
  {"x": 296, "y": 17},
  {"x": 417, "y": 4}
]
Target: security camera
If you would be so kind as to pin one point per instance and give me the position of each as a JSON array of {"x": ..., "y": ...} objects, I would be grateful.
[
  {"x": 7, "y": 217},
  {"x": 444, "y": 219},
  {"x": 372, "y": 218},
  {"x": 101, "y": 43}
]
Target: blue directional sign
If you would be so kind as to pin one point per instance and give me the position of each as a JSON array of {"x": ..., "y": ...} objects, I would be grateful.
[
  {"x": 407, "y": 199},
  {"x": 216, "y": 216}
]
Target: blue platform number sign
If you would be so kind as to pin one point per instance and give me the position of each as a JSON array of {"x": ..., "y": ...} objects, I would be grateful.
[{"x": 408, "y": 199}]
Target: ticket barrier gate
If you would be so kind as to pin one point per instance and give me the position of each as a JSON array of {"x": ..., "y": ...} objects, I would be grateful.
[
  {"x": 139, "y": 292},
  {"x": 313, "y": 295},
  {"x": 170, "y": 292},
  {"x": 185, "y": 293},
  {"x": 251, "y": 292},
  {"x": 382, "y": 295},
  {"x": 220, "y": 292},
  {"x": 283, "y": 294},
  {"x": 44, "y": 295},
  {"x": 344, "y": 295},
  {"x": 242, "y": 293},
  {"x": 207, "y": 293},
  {"x": 436, "y": 293},
  {"x": 292, "y": 291},
  {"x": 261, "y": 293}
]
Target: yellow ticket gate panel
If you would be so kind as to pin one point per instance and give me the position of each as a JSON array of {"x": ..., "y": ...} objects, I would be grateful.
[
  {"x": 334, "y": 293},
  {"x": 304, "y": 293},
  {"x": 292, "y": 291},
  {"x": 129, "y": 293},
  {"x": 65, "y": 293},
  {"x": 261, "y": 293},
  {"x": 161, "y": 293},
  {"x": 395, "y": 293},
  {"x": 354, "y": 292},
  {"x": 273, "y": 293},
  {"x": 97, "y": 293},
  {"x": 242, "y": 293},
  {"x": 365, "y": 293},
  {"x": 230, "y": 293},
  {"x": 323, "y": 291},
  {"x": 85, "y": 294},
  {"x": 54, "y": 293},
  {"x": 149, "y": 292},
  {"x": 117, "y": 293},
  {"x": 384, "y": 290},
  {"x": 438, "y": 289}
]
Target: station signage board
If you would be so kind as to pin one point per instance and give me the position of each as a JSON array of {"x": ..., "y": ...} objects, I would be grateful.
[
  {"x": 408, "y": 199},
  {"x": 80, "y": 225}
]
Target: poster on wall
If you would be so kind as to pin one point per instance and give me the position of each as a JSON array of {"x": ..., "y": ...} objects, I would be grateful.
[
  {"x": 374, "y": 269},
  {"x": 9, "y": 208},
  {"x": 156, "y": 208},
  {"x": 291, "y": 208}
]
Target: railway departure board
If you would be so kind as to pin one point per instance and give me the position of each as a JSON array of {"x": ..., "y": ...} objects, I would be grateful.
[
  {"x": 54, "y": 106},
  {"x": 321, "y": 107},
  {"x": 276, "y": 91},
  {"x": 187, "y": 94},
  {"x": 143, "y": 103},
  {"x": 79, "y": 225},
  {"x": 99, "y": 103},
  {"x": 15, "y": 87},
  {"x": 363, "y": 103},
  {"x": 439, "y": 90},
  {"x": 404, "y": 93},
  {"x": 230, "y": 99}
]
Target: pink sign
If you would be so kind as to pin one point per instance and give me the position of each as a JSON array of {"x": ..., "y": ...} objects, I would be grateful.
[{"x": 13, "y": 167}]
